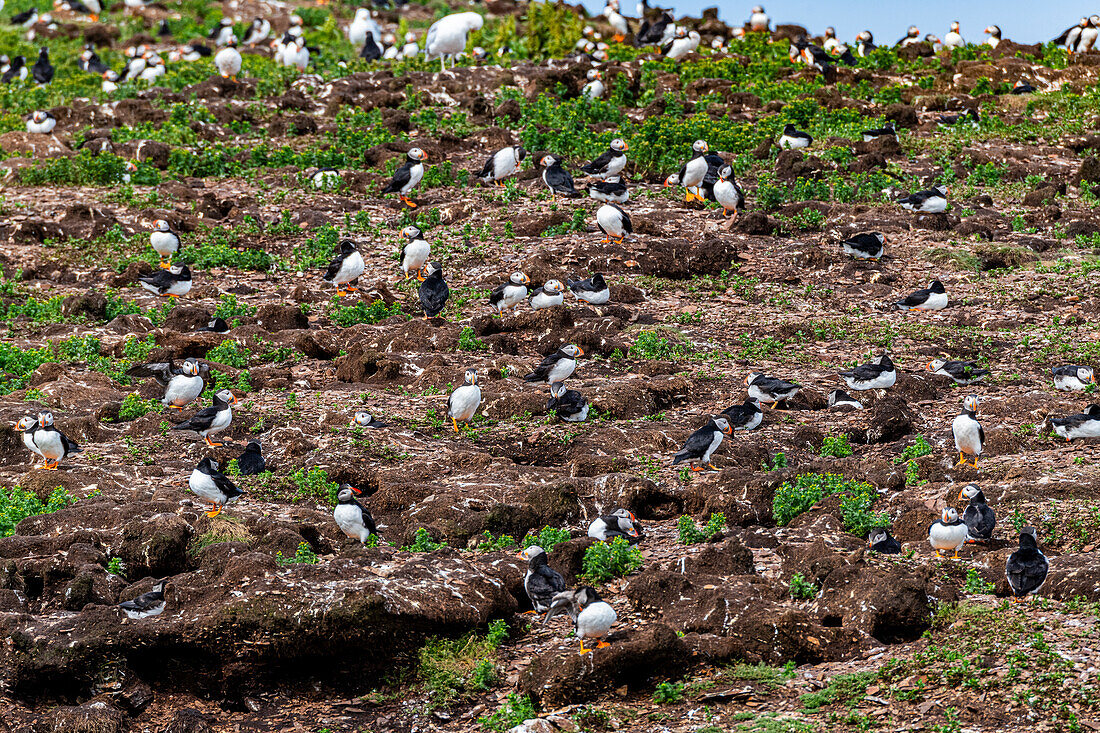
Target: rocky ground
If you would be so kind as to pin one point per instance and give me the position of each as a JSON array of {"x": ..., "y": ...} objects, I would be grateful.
[{"x": 276, "y": 621}]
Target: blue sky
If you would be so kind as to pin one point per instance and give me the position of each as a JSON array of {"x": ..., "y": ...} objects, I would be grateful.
[{"x": 1026, "y": 21}]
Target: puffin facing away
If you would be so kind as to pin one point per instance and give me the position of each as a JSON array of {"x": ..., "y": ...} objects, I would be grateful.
[
  {"x": 147, "y": 604},
  {"x": 464, "y": 401},
  {"x": 501, "y": 164},
  {"x": 932, "y": 298},
  {"x": 1083, "y": 425},
  {"x": 881, "y": 541},
  {"x": 701, "y": 444},
  {"x": 569, "y": 404},
  {"x": 880, "y": 373},
  {"x": 793, "y": 138},
  {"x": 433, "y": 291},
  {"x": 763, "y": 388},
  {"x": 408, "y": 176},
  {"x": 251, "y": 462},
  {"x": 593, "y": 290},
  {"x": 352, "y": 519},
  {"x": 594, "y": 617},
  {"x": 557, "y": 367},
  {"x": 960, "y": 372},
  {"x": 968, "y": 432},
  {"x": 867, "y": 246},
  {"x": 345, "y": 268},
  {"x": 209, "y": 484},
  {"x": 1026, "y": 569},
  {"x": 746, "y": 416},
  {"x": 614, "y": 223},
  {"x": 540, "y": 581},
  {"x": 948, "y": 533},
  {"x": 979, "y": 517},
  {"x": 619, "y": 523}
]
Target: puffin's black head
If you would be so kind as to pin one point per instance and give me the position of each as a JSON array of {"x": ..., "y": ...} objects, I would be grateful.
[
  {"x": 253, "y": 447},
  {"x": 619, "y": 145},
  {"x": 937, "y": 287},
  {"x": 44, "y": 54},
  {"x": 45, "y": 419},
  {"x": 878, "y": 534},
  {"x": 725, "y": 173},
  {"x": 207, "y": 465},
  {"x": 158, "y": 587},
  {"x": 430, "y": 270},
  {"x": 346, "y": 494},
  {"x": 971, "y": 492},
  {"x": 535, "y": 555},
  {"x": 587, "y": 595},
  {"x": 417, "y": 155},
  {"x": 347, "y": 247},
  {"x": 191, "y": 366},
  {"x": 598, "y": 281},
  {"x": 790, "y": 130},
  {"x": 521, "y": 153},
  {"x": 224, "y": 397},
  {"x": 519, "y": 278},
  {"x": 411, "y": 232},
  {"x": 1029, "y": 538}
]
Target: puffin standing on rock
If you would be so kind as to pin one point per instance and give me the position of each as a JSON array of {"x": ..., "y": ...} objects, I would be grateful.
[
  {"x": 212, "y": 420},
  {"x": 415, "y": 252},
  {"x": 948, "y": 533},
  {"x": 510, "y": 294},
  {"x": 501, "y": 164},
  {"x": 569, "y": 404},
  {"x": 968, "y": 432},
  {"x": 209, "y": 484},
  {"x": 728, "y": 193},
  {"x": 693, "y": 172},
  {"x": 408, "y": 176},
  {"x": 557, "y": 367},
  {"x": 610, "y": 163},
  {"x": 619, "y": 523},
  {"x": 763, "y": 388},
  {"x": 433, "y": 291},
  {"x": 182, "y": 386},
  {"x": 164, "y": 242},
  {"x": 540, "y": 581},
  {"x": 979, "y": 517},
  {"x": 52, "y": 444},
  {"x": 1027, "y": 567},
  {"x": 614, "y": 223},
  {"x": 345, "y": 268},
  {"x": 351, "y": 517},
  {"x": 464, "y": 401},
  {"x": 701, "y": 444},
  {"x": 556, "y": 178},
  {"x": 593, "y": 616}
]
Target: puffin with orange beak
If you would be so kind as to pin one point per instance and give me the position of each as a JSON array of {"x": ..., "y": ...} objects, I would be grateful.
[
  {"x": 408, "y": 176},
  {"x": 557, "y": 367},
  {"x": 210, "y": 484},
  {"x": 51, "y": 443},
  {"x": 693, "y": 172},
  {"x": 701, "y": 444},
  {"x": 464, "y": 401},
  {"x": 351, "y": 517},
  {"x": 619, "y": 523},
  {"x": 212, "y": 420},
  {"x": 610, "y": 163}
]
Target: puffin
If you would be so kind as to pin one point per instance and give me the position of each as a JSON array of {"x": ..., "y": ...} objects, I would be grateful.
[
  {"x": 864, "y": 246},
  {"x": 257, "y": 32},
  {"x": 148, "y": 604},
  {"x": 701, "y": 444},
  {"x": 433, "y": 291},
  {"x": 880, "y": 373},
  {"x": 994, "y": 33},
  {"x": 215, "y": 325},
  {"x": 209, "y": 484},
  {"x": 228, "y": 60},
  {"x": 954, "y": 39},
  {"x": 447, "y": 36},
  {"x": 932, "y": 298},
  {"x": 684, "y": 43},
  {"x": 556, "y": 367},
  {"x": 1070, "y": 36},
  {"x": 880, "y": 540},
  {"x": 364, "y": 419},
  {"x": 887, "y": 130},
  {"x": 1027, "y": 567},
  {"x": 1022, "y": 87},
  {"x": 611, "y": 190},
  {"x": 411, "y": 49},
  {"x": 593, "y": 290},
  {"x": 26, "y": 426},
  {"x": 464, "y": 401},
  {"x": 932, "y": 201},
  {"x": 182, "y": 385},
  {"x": 501, "y": 164},
  {"x": 968, "y": 432},
  {"x": 41, "y": 123},
  {"x": 1083, "y": 425},
  {"x": 594, "y": 616},
  {"x": 969, "y": 116},
  {"x": 510, "y": 294},
  {"x": 912, "y": 36},
  {"x": 960, "y": 372},
  {"x": 728, "y": 193},
  {"x": 551, "y": 294},
  {"x": 594, "y": 86},
  {"x": 746, "y": 416},
  {"x": 654, "y": 33},
  {"x": 220, "y": 34},
  {"x": 614, "y": 223},
  {"x": 763, "y": 388},
  {"x": 540, "y": 581},
  {"x": 617, "y": 21},
  {"x": 865, "y": 44},
  {"x": 948, "y": 533},
  {"x": 610, "y": 163},
  {"x": 17, "y": 68},
  {"x": 361, "y": 25},
  {"x": 43, "y": 70},
  {"x": 1072, "y": 378},
  {"x": 569, "y": 404},
  {"x": 351, "y": 517},
  {"x": 408, "y": 176},
  {"x": 759, "y": 20},
  {"x": 251, "y": 461},
  {"x": 345, "y": 268},
  {"x": 619, "y": 523},
  {"x": 556, "y": 178},
  {"x": 979, "y": 517},
  {"x": 51, "y": 443},
  {"x": 372, "y": 49},
  {"x": 212, "y": 420},
  {"x": 164, "y": 242},
  {"x": 29, "y": 17},
  {"x": 840, "y": 398},
  {"x": 90, "y": 62},
  {"x": 171, "y": 283},
  {"x": 830, "y": 42},
  {"x": 793, "y": 138},
  {"x": 693, "y": 172},
  {"x": 1089, "y": 34},
  {"x": 415, "y": 251}
]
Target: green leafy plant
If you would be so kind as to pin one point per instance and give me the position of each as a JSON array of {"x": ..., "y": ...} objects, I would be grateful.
[
  {"x": 489, "y": 543},
  {"x": 668, "y": 693},
  {"x": 314, "y": 483},
  {"x": 975, "y": 584},
  {"x": 423, "y": 542},
  {"x": 800, "y": 588},
  {"x": 606, "y": 560},
  {"x": 115, "y": 566},
  {"x": 468, "y": 340},
  {"x": 303, "y": 556},
  {"x": 230, "y": 353},
  {"x": 856, "y": 497},
  {"x": 690, "y": 534},
  {"x": 133, "y": 407},
  {"x": 836, "y": 446},
  {"x": 16, "y": 504},
  {"x": 373, "y": 312},
  {"x": 514, "y": 710},
  {"x": 449, "y": 668},
  {"x": 547, "y": 538}
]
